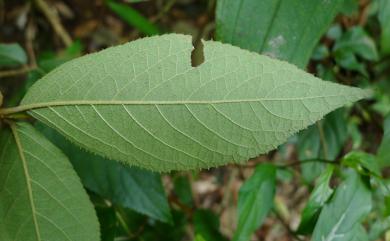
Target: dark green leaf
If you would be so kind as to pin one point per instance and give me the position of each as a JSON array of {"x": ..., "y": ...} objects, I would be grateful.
[
  {"x": 182, "y": 188},
  {"x": 350, "y": 7},
  {"x": 12, "y": 55},
  {"x": 108, "y": 222},
  {"x": 384, "y": 19},
  {"x": 206, "y": 225},
  {"x": 255, "y": 200},
  {"x": 384, "y": 149},
  {"x": 130, "y": 187},
  {"x": 41, "y": 197},
  {"x": 318, "y": 197},
  {"x": 133, "y": 18},
  {"x": 310, "y": 146},
  {"x": 274, "y": 27},
  {"x": 356, "y": 41},
  {"x": 349, "y": 205},
  {"x": 320, "y": 52}
]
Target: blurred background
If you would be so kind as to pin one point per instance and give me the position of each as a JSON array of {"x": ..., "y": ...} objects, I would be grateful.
[{"x": 353, "y": 49}]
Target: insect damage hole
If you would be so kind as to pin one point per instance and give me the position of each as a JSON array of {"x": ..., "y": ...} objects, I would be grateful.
[{"x": 197, "y": 54}]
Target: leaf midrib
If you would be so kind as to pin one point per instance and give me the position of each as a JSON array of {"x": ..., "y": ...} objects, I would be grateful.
[
  {"x": 28, "y": 178},
  {"x": 39, "y": 105}
]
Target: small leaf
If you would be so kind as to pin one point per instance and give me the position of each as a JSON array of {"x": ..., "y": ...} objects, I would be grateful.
[
  {"x": 318, "y": 197},
  {"x": 12, "y": 55},
  {"x": 357, "y": 41},
  {"x": 41, "y": 196},
  {"x": 340, "y": 217},
  {"x": 206, "y": 224},
  {"x": 260, "y": 26},
  {"x": 255, "y": 200},
  {"x": 364, "y": 163},
  {"x": 383, "y": 151},
  {"x": 130, "y": 187},
  {"x": 133, "y": 18},
  {"x": 144, "y": 104}
]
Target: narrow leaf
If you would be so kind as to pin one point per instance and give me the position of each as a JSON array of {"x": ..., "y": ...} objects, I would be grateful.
[
  {"x": 41, "y": 197},
  {"x": 133, "y": 18},
  {"x": 383, "y": 151},
  {"x": 144, "y": 104},
  {"x": 274, "y": 27},
  {"x": 318, "y": 197},
  {"x": 340, "y": 217},
  {"x": 130, "y": 187},
  {"x": 11, "y": 55},
  {"x": 384, "y": 19},
  {"x": 255, "y": 200}
]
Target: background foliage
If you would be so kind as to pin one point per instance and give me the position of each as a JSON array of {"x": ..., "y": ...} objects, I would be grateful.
[{"x": 329, "y": 182}]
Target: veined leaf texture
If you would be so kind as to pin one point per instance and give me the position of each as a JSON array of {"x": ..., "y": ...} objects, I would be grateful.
[
  {"x": 41, "y": 196},
  {"x": 144, "y": 104}
]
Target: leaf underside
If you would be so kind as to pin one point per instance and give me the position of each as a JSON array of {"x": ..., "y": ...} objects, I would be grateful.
[
  {"x": 144, "y": 104},
  {"x": 41, "y": 197}
]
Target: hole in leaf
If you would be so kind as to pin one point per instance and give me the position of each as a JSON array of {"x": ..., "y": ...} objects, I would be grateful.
[{"x": 197, "y": 54}]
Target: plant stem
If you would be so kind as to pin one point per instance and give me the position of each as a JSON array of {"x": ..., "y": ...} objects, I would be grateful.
[
  {"x": 286, "y": 226},
  {"x": 322, "y": 139},
  {"x": 55, "y": 22},
  {"x": 15, "y": 72}
]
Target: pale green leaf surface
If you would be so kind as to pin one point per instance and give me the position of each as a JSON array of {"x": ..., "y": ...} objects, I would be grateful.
[
  {"x": 41, "y": 197},
  {"x": 349, "y": 205},
  {"x": 255, "y": 200},
  {"x": 144, "y": 104},
  {"x": 276, "y": 27}
]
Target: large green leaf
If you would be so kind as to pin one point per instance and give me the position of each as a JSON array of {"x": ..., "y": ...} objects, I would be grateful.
[
  {"x": 341, "y": 216},
  {"x": 255, "y": 200},
  {"x": 140, "y": 190},
  {"x": 383, "y": 151},
  {"x": 41, "y": 197},
  {"x": 287, "y": 30},
  {"x": 144, "y": 104},
  {"x": 318, "y": 197}
]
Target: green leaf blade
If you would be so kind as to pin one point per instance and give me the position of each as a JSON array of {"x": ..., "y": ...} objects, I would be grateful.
[
  {"x": 12, "y": 55},
  {"x": 261, "y": 26},
  {"x": 42, "y": 197},
  {"x": 130, "y": 187},
  {"x": 342, "y": 215},
  {"x": 255, "y": 200},
  {"x": 318, "y": 197},
  {"x": 144, "y": 104}
]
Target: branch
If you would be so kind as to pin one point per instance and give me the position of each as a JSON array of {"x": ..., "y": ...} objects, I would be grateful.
[
  {"x": 55, "y": 22},
  {"x": 15, "y": 72}
]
